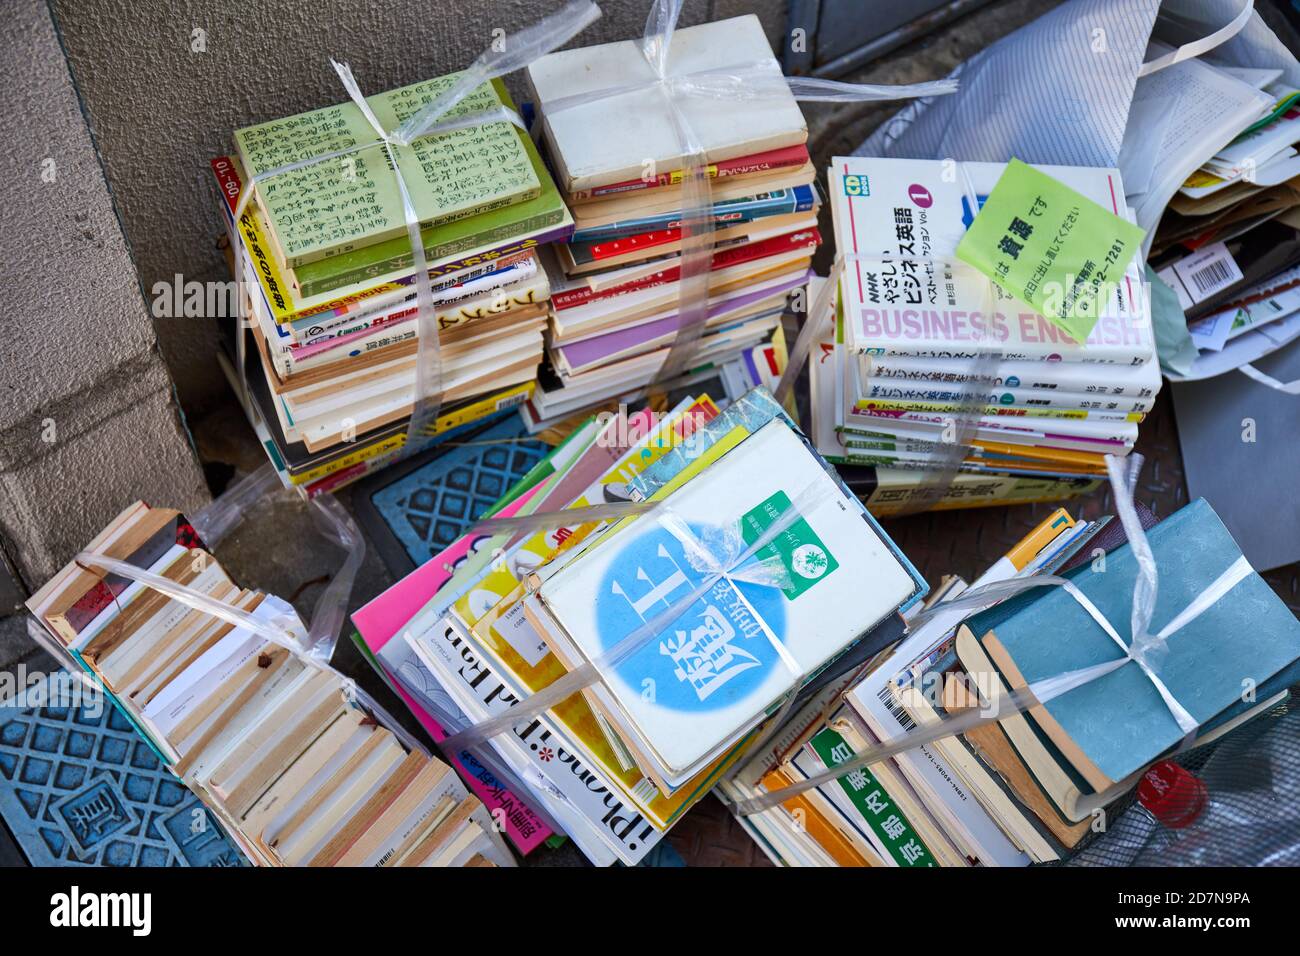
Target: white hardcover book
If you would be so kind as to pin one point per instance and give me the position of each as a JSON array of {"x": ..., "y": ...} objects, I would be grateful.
[
  {"x": 738, "y": 649},
  {"x": 892, "y": 215},
  {"x": 608, "y": 140}
]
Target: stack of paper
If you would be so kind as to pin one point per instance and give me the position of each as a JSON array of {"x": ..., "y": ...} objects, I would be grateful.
[
  {"x": 618, "y": 159},
  {"x": 1229, "y": 242},
  {"x": 299, "y": 776},
  {"x": 328, "y": 265},
  {"x": 1030, "y": 787},
  {"x": 619, "y": 762},
  {"x": 900, "y": 383}
]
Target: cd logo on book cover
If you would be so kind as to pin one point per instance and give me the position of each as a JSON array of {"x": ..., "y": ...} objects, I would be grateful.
[{"x": 855, "y": 185}]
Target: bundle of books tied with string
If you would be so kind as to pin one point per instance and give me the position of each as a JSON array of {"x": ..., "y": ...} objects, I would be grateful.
[
  {"x": 327, "y": 264},
  {"x": 220, "y": 683},
  {"x": 1041, "y": 712},
  {"x": 619, "y": 160},
  {"x": 935, "y": 356}
]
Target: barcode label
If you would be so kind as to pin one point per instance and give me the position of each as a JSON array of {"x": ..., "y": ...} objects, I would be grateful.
[
  {"x": 896, "y": 709},
  {"x": 1216, "y": 275},
  {"x": 1202, "y": 274}
]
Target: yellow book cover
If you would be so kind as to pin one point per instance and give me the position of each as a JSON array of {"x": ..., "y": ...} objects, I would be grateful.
[{"x": 503, "y": 589}]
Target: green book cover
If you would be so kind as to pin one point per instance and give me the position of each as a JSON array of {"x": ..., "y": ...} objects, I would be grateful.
[
  {"x": 542, "y": 211},
  {"x": 351, "y": 201}
]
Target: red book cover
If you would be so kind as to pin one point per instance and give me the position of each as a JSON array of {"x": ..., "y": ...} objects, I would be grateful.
[{"x": 749, "y": 252}]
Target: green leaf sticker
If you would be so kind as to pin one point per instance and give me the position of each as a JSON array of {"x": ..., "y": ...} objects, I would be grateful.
[
  {"x": 1054, "y": 249},
  {"x": 805, "y": 556}
]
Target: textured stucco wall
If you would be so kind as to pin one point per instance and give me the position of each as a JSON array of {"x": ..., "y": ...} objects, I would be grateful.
[
  {"x": 88, "y": 421},
  {"x": 159, "y": 110}
]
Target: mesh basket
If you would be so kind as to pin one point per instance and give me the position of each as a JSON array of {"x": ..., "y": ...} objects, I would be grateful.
[{"x": 1242, "y": 812}]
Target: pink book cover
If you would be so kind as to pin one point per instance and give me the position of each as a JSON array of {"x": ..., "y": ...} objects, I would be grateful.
[{"x": 378, "y": 621}]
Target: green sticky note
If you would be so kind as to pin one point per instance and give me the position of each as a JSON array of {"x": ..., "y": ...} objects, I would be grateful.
[{"x": 1051, "y": 247}]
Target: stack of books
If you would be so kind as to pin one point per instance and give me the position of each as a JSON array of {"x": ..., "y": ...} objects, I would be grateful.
[
  {"x": 1034, "y": 786},
  {"x": 899, "y": 384},
  {"x": 328, "y": 269},
  {"x": 619, "y": 762},
  {"x": 618, "y": 160},
  {"x": 298, "y": 774}
]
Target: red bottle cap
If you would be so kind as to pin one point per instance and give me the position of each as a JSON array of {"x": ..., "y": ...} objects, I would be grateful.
[{"x": 1174, "y": 795}]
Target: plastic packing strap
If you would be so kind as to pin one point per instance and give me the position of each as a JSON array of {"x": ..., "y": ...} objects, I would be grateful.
[
  {"x": 331, "y": 607},
  {"x": 284, "y": 630},
  {"x": 962, "y": 423},
  {"x": 1203, "y": 45},
  {"x": 502, "y": 57},
  {"x": 1145, "y": 650},
  {"x": 568, "y": 517},
  {"x": 744, "y": 82},
  {"x": 732, "y": 562},
  {"x": 215, "y": 519}
]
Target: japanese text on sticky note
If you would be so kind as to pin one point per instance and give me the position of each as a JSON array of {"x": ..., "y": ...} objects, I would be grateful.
[{"x": 1051, "y": 247}]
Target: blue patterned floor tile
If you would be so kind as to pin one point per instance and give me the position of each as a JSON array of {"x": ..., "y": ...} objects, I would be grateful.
[{"x": 79, "y": 788}]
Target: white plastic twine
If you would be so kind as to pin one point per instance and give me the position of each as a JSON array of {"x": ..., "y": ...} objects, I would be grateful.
[
  {"x": 506, "y": 56},
  {"x": 284, "y": 630},
  {"x": 1144, "y": 650},
  {"x": 744, "y": 82}
]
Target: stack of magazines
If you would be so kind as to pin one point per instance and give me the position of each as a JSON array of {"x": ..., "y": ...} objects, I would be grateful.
[
  {"x": 750, "y": 579},
  {"x": 1229, "y": 243},
  {"x": 327, "y": 265},
  {"x": 297, "y": 773},
  {"x": 619, "y": 162},
  {"x": 1038, "y": 785},
  {"x": 930, "y": 366}
]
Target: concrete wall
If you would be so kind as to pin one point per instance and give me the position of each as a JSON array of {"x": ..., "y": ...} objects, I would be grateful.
[
  {"x": 161, "y": 103},
  {"x": 88, "y": 420}
]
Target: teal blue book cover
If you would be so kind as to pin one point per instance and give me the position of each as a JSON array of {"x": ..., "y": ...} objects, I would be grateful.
[{"x": 1237, "y": 651}]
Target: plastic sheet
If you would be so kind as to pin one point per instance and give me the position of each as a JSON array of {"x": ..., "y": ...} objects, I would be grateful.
[
  {"x": 314, "y": 646},
  {"x": 593, "y": 671}
]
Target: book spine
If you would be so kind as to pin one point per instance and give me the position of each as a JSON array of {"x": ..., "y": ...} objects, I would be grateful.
[
  {"x": 390, "y": 330},
  {"x": 802, "y": 239},
  {"x": 990, "y": 411},
  {"x": 778, "y": 203},
  {"x": 349, "y": 323},
  {"x": 433, "y": 253},
  {"x": 740, "y": 166},
  {"x": 907, "y": 390},
  {"x": 1074, "y": 378},
  {"x": 1095, "y": 436},
  {"x": 995, "y": 491},
  {"x": 470, "y": 414},
  {"x": 1096, "y": 358}
]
